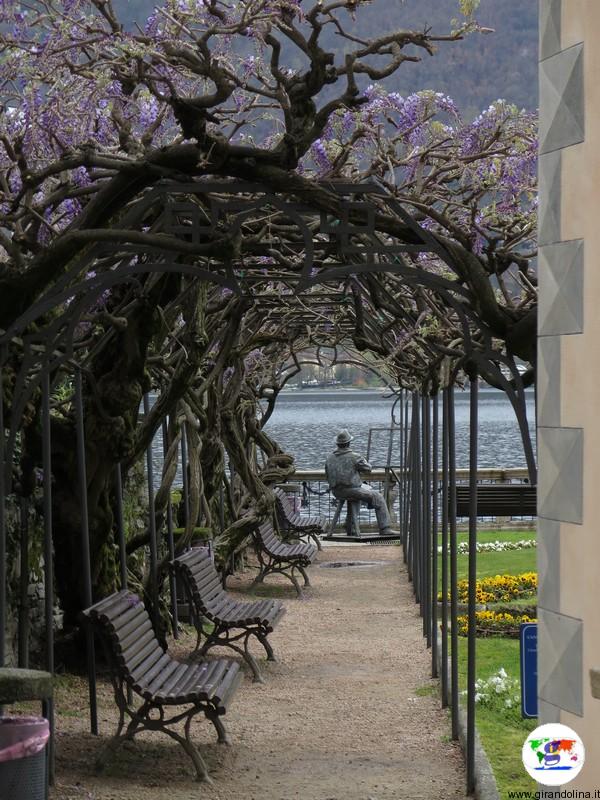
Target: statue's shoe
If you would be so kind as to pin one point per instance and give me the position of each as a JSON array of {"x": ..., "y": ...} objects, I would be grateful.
[{"x": 388, "y": 532}]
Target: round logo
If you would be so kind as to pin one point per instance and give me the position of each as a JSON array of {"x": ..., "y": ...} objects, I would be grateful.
[{"x": 553, "y": 754}]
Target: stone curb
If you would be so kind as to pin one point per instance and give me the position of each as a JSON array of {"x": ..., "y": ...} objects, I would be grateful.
[{"x": 485, "y": 782}]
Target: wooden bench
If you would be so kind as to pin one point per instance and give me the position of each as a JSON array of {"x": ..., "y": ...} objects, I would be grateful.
[
  {"x": 138, "y": 662},
  {"x": 233, "y": 620},
  {"x": 277, "y": 556},
  {"x": 294, "y": 524},
  {"x": 498, "y": 500}
]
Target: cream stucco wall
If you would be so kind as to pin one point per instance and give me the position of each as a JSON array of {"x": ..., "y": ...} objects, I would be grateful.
[{"x": 568, "y": 29}]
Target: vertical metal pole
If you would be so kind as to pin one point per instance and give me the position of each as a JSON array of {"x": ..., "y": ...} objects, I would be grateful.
[
  {"x": 472, "y": 641},
  {"x": 453, "y": 563},
  {"x": 416, "y": 505},
  {"x": 171, "y": 543},
  {"x": 411, "y": 503},
  {"x": 151, "y": 518},
  {"x": 85, "y": 549},
  {"x": 434, "y": 539},
  {"x": 445, "y": 500},
  {"x": 120, "y": 525},
  {"x": 405, "y": 473},
  {"x": 221, "y": 508},
  {"x": 2, "y": 530},
  {"x": 184, "y": 474},
  {"x": 121, "y": 538},
  {"x": 23, "y": 637},
  {"x": 48, "y": 557},
  {"x": 427, "y": 516}
]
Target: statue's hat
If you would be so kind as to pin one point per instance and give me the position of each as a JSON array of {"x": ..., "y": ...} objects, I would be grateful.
[{"x": 343, "y": 437}]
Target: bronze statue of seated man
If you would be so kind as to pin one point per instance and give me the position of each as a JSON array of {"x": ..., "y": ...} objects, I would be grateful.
[{"x": 343, "y": 469}]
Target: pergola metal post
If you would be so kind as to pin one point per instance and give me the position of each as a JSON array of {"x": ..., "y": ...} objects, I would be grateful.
[
  {"x": 85, "y": 548},
  {"x": 121, "y": 537},
  {"x": 171, "y": 543},
  {"x": 472, "y": 640},
  {"x": 184, "y": 473},
  {"x": 400, "y": 464},
  {"x": 23, "y": 614},
  {"x": 151, "y": 517},
  {"x": 415, "y": 543},
  {"x": 48, "y": 559},
  {"x": 434, "y": 538},
  {"x": 427, "y": 519},
  {"x": 406, "y": 476},
  {"x": 453, "y": 563},
  {"x": 445, "y": 502},
  {"x": 2, "y": 531},
  {"x": 120, "y": 526}
]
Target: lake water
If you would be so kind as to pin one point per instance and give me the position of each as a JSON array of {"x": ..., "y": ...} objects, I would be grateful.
[{"x": 305, "y": 423}]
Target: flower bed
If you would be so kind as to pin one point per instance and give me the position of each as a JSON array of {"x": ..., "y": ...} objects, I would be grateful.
[
  {"x": 499, "y": 693},
  {"x": 500, "y": 588},
  {"x": 494, "y": 547},
  {"x": 493, "y": 623}
]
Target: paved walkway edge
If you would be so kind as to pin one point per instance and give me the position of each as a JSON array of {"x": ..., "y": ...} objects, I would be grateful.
[{"x": 485, "y": 782}]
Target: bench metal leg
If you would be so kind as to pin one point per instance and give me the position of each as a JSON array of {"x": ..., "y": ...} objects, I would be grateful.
[
  {"x": 223, "y": 637},
  {"x": 262, "y": 638},
  {"x": 151, "y": 717},
  {"x": 302, "y": 571},
  {"x": 223, "y": 737}
]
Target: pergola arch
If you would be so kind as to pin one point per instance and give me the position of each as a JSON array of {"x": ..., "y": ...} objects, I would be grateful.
[{"x": 229, "y": 230}]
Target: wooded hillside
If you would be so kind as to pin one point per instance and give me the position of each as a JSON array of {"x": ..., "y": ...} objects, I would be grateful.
[{"x": 474, "y": 72}]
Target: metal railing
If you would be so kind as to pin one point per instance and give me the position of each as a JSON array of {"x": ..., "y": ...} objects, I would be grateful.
[{"x": 312, "y": 494}]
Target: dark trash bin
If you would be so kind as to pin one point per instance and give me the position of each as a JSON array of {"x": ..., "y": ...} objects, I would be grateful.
[{"x": 23, "y": 762}]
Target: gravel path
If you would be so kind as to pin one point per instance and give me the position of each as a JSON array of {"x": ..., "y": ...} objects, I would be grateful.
[{"x": 347, "y": 713}]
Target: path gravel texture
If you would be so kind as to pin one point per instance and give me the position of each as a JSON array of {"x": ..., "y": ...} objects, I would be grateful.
[{"x": 348, "y": 712}]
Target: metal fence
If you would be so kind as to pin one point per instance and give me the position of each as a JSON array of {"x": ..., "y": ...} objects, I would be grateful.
[
  {"x": 428, "y": 481},
  {"x": 312, "y": 495}
]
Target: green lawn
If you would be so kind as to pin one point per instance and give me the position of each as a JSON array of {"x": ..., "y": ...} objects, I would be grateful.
[
  {"x": 511, "y": 562},
  {"x": 501, "y": 736}
]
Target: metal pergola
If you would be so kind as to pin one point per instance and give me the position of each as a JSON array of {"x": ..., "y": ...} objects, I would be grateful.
[{"x": 327, "y": 250}]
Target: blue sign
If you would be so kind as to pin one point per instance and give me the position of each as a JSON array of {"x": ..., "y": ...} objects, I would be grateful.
[{"x": 528, "y": 640}]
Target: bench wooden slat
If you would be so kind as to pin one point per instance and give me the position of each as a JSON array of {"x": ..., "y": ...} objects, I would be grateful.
[
  {"x": 139, "y": 673},
  {"x": 132, "y": 659},
  {"x": 149, "y": 670},
  {"x": 156, "y": 682}
]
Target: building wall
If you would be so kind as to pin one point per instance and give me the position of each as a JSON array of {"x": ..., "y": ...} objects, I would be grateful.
[{"x": 569, "y": 371}]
